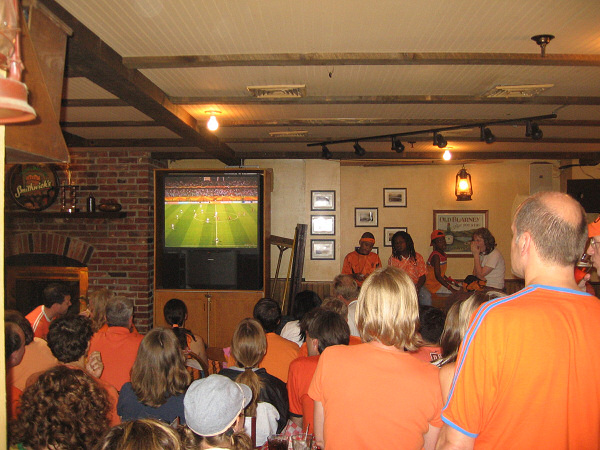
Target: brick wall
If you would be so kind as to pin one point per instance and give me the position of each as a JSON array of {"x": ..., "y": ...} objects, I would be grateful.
[{"x": 119, "y": 253}]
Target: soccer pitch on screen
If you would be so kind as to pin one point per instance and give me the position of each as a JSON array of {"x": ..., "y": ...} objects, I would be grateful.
[{"x": 211, "y": 225}]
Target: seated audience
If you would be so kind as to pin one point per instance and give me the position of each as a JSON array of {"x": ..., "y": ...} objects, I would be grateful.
[
  {"x": 57, "y": 300},
  {"x": 304, "y": 301},
  {"x": 488, "y": 263},
  {"x": 69, "y": 339},
  {"x": 142, "y": 434},
  {"x": 339, "y": 307},
  {"x": 387, "y": 396},
  {"x": 214, "y": 412},
  {"x": 97, "y": 301},
  {"x": 432, "y": 324},
  {"x": 64, "y": 409},
  {"x": 325, "y": 328},
  {"x": 159, "y": 380},
  {"x": 37, "y": 357},
  {"x": 436, "y": 280},
  {"x": 280, "y": 351},
  {"x": 176, "y": 314},
  {"x": 14, "y": 344},
  {"x": 269, "y": 400},
  {"x": 406, "y": 258},
  {"x": 118, "y": 345},
  {"x": 345, "y": 288},
  {"x": 360, "y": 263}
]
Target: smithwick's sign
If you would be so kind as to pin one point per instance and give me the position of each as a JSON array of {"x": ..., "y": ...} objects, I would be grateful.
[{"x": 33, "y": 187}]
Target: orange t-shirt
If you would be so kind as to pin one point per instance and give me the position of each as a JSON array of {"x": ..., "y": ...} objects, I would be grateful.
[
  {"x": 300, "y": 375},
  {"x": 37, "y": 357},
  {"x": 387, "y": 399},
  {"x": 118, "y": 348},
  {"x": 506, "y": 393},
  {"x": 415, "y": 268},
  {"x": 354, "y": 262},
  {"x": 39, "y": 322},
  {"x": 280, "y": 353}
]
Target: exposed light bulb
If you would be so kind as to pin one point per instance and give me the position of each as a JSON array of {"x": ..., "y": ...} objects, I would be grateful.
[
  {"x": 463, "y": 185},
  {"x": 447, "y": 155},
  {"x": 212, "y": 123}
]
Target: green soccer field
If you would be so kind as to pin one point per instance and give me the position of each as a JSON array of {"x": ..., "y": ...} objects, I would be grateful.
[{"x": 195, "y": 225}]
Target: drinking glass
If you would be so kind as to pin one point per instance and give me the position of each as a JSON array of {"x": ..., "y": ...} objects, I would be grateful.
[
  {"x": 302, "y": 441},
  {"x": 278, "y": 442},
  {"x": 583, "y": 266}
]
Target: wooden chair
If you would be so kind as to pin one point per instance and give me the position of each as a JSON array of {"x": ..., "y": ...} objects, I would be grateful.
[
  {"x": 195, "y": 366},
  {"x": 216, "y": 358}
]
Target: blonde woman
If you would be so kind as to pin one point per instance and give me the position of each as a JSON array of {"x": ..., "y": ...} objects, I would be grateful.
[
  {"x": 270, "y": 400},
  {"x": 143, "y": 434},
  {"x": 376, "y": 395},
  {"x": 159, "y": 380}
]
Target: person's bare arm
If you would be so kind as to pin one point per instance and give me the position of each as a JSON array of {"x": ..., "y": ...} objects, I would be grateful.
[
  {"x": 297, "y": 420},
  {"x": 446, "y": 374},
  {"x": 451, "y": 439},
  {"x": 430, "y": 438},
  {"x": 478, "y": 271},
  {"x": 319, "y": 420},
  {"x": 420, "y": 282},
  {"x": 435, "y": 262},
  {"x": 199, "y": 348}
]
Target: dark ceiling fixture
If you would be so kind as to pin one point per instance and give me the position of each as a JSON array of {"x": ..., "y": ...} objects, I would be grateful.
[
  {"x": 487, "y": 135},
  {"x": 360, "y": 151},
  {"x": 397, "y": 144},
  {"x": 533, "y": 131},
  {"x": 542, "y": 40},
  {"x": 325, "y": 153},
  {"x": 439, "y": 140}
]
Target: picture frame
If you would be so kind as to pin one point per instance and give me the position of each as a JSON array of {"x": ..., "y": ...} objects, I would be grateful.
[
  {"x": 459, "y": 226},
  {"x": 322, "y": 249},
  {"x": 394, "y": 197},
  {"x": 322, "y": 200},
  {"x": 388, "y": 232},
  {"x": 365, "y": 217},
  {"x": 322, "y": 224}
]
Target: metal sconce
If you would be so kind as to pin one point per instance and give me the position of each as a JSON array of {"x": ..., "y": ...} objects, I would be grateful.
[{"x": 463, "y": 188}]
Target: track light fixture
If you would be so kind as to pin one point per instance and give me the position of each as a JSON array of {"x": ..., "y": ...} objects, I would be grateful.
[
  {"x": 439, "y": 140},
  {"x": 487, "y": 135},
  {"x": 360, "y": 151},
  {"x": 397, "y": 144},
  {"x": 325, "y": 153},
  {"x": 533, "y": 131}
]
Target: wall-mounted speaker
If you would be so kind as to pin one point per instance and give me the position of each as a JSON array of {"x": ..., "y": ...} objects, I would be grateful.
[
  {"x": 586, "y": 192},
  {"x": 540, "y": 177}
]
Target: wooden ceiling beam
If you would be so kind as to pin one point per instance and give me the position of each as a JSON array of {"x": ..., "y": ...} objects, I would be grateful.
[
  {"x": 386, "y": 123},
  {"x": 102, "y": 65},
  {"x": 110, "y": 124},
  {"x": 425, "y": 137},
  {"x": 359, "y": 59},
  {"x": 389, "y": 100}
]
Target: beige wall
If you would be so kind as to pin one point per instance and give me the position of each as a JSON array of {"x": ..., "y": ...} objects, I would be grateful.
[{"x": 498, "y": 187}]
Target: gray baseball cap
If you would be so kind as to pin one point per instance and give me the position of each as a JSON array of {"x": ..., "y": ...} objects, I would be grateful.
[{"x": 213, "y": 404}]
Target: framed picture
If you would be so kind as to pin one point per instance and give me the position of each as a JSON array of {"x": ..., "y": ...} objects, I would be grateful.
[
  {"x": 389, "y": 232},
  {"x": 374, "y": 249},
  {"x": 459, "y": 227},
  {"x": 322, "y": 200},
  {"x": 322, "y": 224},
  {"x": 394, "y": 197},
  {"x": 365, "y": 217},
  {"x": 322, "y": 249}
]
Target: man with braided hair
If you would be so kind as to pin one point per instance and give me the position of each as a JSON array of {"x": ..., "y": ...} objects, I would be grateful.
[{"x": 362, "y": 262}]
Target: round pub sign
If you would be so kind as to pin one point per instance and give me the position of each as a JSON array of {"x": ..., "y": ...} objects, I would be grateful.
[{"x": 32, "y": 186}]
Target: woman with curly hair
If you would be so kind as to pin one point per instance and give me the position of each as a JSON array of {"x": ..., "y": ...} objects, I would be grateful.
[
  {"x": 405, "y": 257},
  {"x": 159, "y": 380},
  {"x": 64, "y": 409},
  {"x": 488, "y": 263}
]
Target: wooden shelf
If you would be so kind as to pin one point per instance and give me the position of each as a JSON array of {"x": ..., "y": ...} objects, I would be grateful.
[{"x": 66, "y": 215}]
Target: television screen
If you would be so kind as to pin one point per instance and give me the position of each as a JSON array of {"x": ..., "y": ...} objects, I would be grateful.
[{"x": 211, "y": 210}]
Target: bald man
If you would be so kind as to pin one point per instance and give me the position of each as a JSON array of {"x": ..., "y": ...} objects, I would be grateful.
[
  {"x": 525, "y": 377},
  {"x": 362, "y": 262}
]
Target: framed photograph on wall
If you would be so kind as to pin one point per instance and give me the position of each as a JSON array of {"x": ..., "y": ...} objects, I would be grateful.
[
  {"x": 365, "y": 217},
  {"x": 322, "y": 224},
  {"x": 389, "y": 232},
  {"x": 322, "y": 200},
  {"x": 322, "y": 249},
  {"x": 459, "y": 226},
  {"x": 394, "y": 197}
]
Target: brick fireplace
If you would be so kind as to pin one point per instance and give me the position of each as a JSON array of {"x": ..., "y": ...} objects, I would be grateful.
[{"x": 118, "y": 252}]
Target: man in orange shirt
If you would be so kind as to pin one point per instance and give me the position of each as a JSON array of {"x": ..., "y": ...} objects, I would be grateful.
[
  {"x": 280, "y": 351},
  {"x": 57, "y": 300},
  {"x": 362, "y": 262},
  {"x": 506, "y": 393},
  {"x": 118, "y": 345}
]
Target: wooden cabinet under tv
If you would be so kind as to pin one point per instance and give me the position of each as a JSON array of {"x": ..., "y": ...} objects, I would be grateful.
[{"x": 213, "y": 315}]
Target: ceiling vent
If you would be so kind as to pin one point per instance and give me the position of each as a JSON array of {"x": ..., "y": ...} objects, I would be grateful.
[
  {"x": 278, "y": 91},
  {"x": 523, "y": 90},
  {"x": 288, "y": 134}
]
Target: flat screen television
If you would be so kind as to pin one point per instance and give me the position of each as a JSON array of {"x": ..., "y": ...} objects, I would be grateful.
[{"x": 209, "y": 229}]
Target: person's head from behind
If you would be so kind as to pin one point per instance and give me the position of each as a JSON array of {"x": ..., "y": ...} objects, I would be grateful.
[
  {"x": 328, "y": 328},
  {"x": 268, "y": 314},
  {"x": 64, "y": 409},
  {"x": 141, "y": 434},
  {"x": 119, "y": 312},
  {"x": 337, "y": 306},
  {"x": 176, "y": 314},
  {"x": 485, "y": 240},
  {"x": 432, "y": 323},
  {"x": 14, "y": 344},
  {"x": 14, "y": 316},
  {"x": 403, "y": 245},
  {"x": 345, "y": 287},
  {"x": 366, "y": 243},
  {"x": 554, "y": 224},
  {"x": 69, "y": 338},
  {"x": 214, "y": 412},
  {"x": 304, "y": 301},
  {"x": 159, "y": 369},
  {"x": 97, "y": 301},
  {"x": 57, "y": 299},
  {"x": 387, "y": 309}
]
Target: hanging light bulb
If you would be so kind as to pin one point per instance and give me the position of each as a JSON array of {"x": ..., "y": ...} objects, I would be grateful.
[
  {"x": 213, "y": 123},
  {"x": 447, "y": 155}
]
